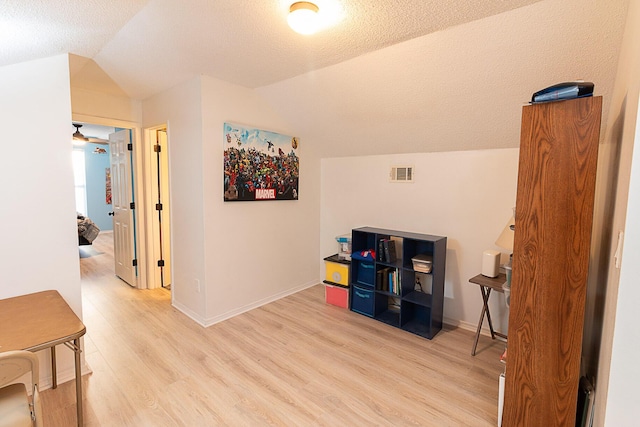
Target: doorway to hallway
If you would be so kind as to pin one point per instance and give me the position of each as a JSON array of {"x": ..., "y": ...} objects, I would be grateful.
[{"x": 147, "y": 182}]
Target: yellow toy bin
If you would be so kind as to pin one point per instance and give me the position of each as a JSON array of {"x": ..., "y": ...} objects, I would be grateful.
[{"x": 336, "y": 270}]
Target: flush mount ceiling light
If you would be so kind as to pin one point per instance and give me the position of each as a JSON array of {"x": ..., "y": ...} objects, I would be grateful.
[{"x": 303, "y": 17}]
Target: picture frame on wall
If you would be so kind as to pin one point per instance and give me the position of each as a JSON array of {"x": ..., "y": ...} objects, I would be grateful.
[
  {"x": 107, "y": 173},
  {"x": 259, "y": 165}
]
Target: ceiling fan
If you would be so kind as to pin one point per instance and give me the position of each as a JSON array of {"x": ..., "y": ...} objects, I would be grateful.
[{"x": 78, "y": 136}]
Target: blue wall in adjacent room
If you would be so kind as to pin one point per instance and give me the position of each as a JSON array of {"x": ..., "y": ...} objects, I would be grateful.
[{"x": 96, "y": 165}]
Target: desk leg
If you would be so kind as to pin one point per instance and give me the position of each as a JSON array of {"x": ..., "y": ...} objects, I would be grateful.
[
  {"x": 485, "y": 312},
  {"x": 484, "y": 309},
  {"x": 54, "y": 370},
  {"x": 485, "y": 296},
  {"x": 76, "y": 345}
]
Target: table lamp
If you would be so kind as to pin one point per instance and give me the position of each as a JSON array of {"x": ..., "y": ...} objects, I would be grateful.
[{"x": 505, "y": 240}]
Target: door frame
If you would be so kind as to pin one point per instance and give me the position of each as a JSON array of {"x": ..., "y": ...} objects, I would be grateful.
[
  {"x": 153, "y": 273},
  {"x": 137, "y": 165}
]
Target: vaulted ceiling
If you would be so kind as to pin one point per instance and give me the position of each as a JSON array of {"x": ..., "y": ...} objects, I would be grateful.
[
  {"x": 146, "y": 46},
  {"x": 403, "y": 75}
]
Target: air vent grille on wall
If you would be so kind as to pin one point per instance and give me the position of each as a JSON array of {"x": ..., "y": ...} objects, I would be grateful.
[{"x": 401, "y": 174}]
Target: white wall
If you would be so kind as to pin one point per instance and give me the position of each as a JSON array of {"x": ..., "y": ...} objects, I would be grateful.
[
  {"x": 181, "y": 109},
  {"x": 617, "y": 373},
  {"x": 39, "y": 248},
  {"x": 466, "y": 196},
  {"x": 39, "y": 232},
  {"x": 242, "y": 254},
  {"x": 623, "y": 399},
  {"x": 255, "y": 252},
  {"x": 96, "y": 104},
  {"x": 95, "y": 94}
]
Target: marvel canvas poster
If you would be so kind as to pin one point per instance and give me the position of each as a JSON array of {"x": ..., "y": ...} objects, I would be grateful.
[{"x": 259, "y": 165}]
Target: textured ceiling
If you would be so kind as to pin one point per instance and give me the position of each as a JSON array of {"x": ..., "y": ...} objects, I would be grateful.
[
  {"x": 462, "y": 88},
  {"x": 31, "y": 29},
  {"x": 147, "y": 46},
  {"x": 392, "y": 76}
]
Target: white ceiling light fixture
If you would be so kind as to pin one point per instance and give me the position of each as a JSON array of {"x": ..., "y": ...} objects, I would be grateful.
[{"x": 303, "y": 17}]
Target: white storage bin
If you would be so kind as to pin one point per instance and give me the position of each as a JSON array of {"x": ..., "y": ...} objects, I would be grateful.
[{"x": 422, "y": 263}]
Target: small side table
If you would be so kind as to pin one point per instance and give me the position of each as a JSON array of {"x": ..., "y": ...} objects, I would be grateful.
[{"x": 487, "y": 284}]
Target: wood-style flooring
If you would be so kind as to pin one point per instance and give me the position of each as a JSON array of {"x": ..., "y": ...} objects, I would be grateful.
[{"x": 293, "y": 362}]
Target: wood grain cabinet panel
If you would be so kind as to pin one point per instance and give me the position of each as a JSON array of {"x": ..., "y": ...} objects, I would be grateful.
[{"x": 554, "y": 213}]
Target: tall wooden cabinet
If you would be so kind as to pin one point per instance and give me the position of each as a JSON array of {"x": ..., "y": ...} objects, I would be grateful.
[{"x": 554, "y": 212}]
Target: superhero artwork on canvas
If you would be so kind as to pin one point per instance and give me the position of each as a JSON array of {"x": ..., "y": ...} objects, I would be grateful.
[{"x": 259, "y": 165}]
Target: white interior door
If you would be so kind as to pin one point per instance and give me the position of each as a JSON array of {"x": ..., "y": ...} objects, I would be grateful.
[{"x": 124, "y": 249}]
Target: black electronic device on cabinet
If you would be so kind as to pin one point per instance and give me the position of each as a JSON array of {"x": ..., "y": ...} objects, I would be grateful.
[
  {"x": 563, "y": 91},
  {"x": 389, "y": 288}
]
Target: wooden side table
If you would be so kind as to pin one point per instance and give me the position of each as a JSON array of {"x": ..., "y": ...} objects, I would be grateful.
[{"x": 487, "y": 284}]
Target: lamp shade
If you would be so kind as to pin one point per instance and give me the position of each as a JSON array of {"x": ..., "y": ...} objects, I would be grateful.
[
  {"x": 505, "y": 239},
  {"x": 303, "y": 17}
]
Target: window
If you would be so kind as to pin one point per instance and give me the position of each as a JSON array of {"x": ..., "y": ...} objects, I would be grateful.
[{"x": 80, "y": 180}]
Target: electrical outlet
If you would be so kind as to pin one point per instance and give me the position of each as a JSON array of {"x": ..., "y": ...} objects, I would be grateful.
[{"x": 197, "y": 283}]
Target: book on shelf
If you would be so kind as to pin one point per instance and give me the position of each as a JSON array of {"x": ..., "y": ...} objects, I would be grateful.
[
  {"x": 394, "y": 281},
  {"x": 388, "y": 279},
  {"x": 380, "y": 279},
  {"x": 390, "y": 250},
  {"x": 384, "y": 276}
]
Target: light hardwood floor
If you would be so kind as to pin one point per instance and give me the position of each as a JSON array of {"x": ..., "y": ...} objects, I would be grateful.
[{"x": 293, "y": 362}]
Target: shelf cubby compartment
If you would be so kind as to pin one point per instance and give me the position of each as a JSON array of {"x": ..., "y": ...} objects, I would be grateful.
[
  {"x": 362, "y": 300},
  {"x": 362, "y": 241},
  {"x": 381, "y": 252},
  {"x": 413, "y": 247},
  {"x": 418, "y": 298},
  {"x": 387, "y": 309},
  {"x": 385, "y": 277},
  {"x": 363, "y": 273},
  {"x": 417, "y": 319}
]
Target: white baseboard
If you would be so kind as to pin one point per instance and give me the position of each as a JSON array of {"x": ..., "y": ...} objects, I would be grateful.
[
  {"x": 189, "y": 313},
  {"x": 64, "y": 375},
  {"x": 472, "y": 327},
  {"x": 205, "y": 322}
]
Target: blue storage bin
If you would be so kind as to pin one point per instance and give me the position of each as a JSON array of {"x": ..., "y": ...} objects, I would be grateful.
[
  {"x": 362, "y": 301},
  {"x": 366, "y": 273}
]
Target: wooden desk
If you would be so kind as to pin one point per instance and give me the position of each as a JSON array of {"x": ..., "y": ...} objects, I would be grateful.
[
  {"x": 487, "y": 284},
  {"x": 39, "y": 321}
]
